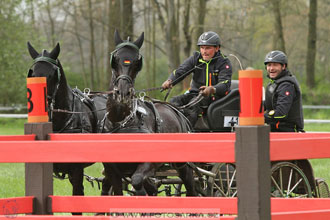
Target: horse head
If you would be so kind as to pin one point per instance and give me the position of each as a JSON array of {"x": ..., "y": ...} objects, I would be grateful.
[
  {"x": 126, "y": 61},
  {"x": 47, "y": 65}
]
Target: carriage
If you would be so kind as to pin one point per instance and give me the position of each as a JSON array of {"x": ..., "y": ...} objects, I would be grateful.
[{"x": 288, "y": 178}]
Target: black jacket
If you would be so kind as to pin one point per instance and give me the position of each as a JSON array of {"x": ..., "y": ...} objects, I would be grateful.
[
  {"x": 283, "y": 95},
  {"x": 217, "y": 72}
]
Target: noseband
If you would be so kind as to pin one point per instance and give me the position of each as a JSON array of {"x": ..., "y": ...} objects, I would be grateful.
[{"x": 124, "y": 77}]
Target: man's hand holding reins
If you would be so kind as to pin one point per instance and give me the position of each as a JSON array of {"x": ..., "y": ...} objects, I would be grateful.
[
  {"x": 207, "y": 90},
  {"x": 167, "y": 84}
]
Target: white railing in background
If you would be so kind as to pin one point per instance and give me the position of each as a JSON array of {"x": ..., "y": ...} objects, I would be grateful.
[{"x": 307, "y": 121}]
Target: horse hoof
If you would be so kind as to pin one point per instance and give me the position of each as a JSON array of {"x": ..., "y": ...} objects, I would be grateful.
[{"x": 137, "y": 181}]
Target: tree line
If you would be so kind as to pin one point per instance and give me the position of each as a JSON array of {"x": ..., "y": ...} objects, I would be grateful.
[{"x": 85, "y": 28}]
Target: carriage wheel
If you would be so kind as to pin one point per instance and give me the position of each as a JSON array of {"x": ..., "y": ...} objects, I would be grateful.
[
  {"x": 323, "y": 188},
  {"x": 224, "y": 182},
  {"x": 288, "y": 180}
]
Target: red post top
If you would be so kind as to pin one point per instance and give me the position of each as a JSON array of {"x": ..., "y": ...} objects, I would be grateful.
[
  {"x": 250, "y": 89},
  {"x": 37, "y": 99}
]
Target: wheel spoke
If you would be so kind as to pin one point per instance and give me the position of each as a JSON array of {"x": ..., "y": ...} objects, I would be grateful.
[
  {"x": 281, "y": 179},
  {"x": 232, "y": 178},
  {"x": 277, "y": 186},
  {"x": 294, "y": 187},
  {"x": 219, "y": 189},
  {"x": 228, "y": 183},
  {"x": 289, "y": 183}
]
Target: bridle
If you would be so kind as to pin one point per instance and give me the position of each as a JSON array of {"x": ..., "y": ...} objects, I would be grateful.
[
  {"x": 56, "y": 65},
  {"x": 113, "y": 55},
  {"x": 116, "y": 79}
]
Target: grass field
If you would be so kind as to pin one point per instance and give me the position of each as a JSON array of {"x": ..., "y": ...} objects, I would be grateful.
[{"x": 13, "y": 174}]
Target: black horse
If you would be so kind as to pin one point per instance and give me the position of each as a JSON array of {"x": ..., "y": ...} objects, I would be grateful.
[
  {"x": 69, "y": 110},
  {"x": 127, "y": 113}
]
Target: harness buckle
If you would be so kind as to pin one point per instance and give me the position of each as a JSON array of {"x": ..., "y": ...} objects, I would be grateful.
[
  {"x": 142, "y": 95},
  {"x": 87, "y": 91}
]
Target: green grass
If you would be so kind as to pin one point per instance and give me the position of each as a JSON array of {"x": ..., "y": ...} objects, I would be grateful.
[
  {"x": 13, "y": 174},
  {"x": 11, "y": 126}
]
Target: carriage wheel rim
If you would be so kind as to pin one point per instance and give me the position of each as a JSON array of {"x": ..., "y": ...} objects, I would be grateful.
[{"x": 296, "y": 177}]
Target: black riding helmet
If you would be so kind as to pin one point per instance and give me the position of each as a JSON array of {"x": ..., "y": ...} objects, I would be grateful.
[
  {"x": 276, "y": 56},
  {"x": 209, "y": 38}
]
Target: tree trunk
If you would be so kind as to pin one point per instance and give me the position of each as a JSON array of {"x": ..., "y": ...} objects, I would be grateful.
[
  {"x": 201, "y": 12},
  {"x": 187, "y": 37},
  {"x": 126, "y": 21},
  {"x": 80, "y": 45},
  {"x": 278, "y": 37},
  {"x": 147, "y": 55},
  {"x": 311, "y": 44},
  {"x": 171, "y": 32},
  {"x": 52, "y": 24},
  {"x": 172, "y": 35},
  {"x": 153, "y": 48},
  {"x": 33, "y": 20},
  {"x": 113, "y": 23},
  {"x": 92, "y": 46}
]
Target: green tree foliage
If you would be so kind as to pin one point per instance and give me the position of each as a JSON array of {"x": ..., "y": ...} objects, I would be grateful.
[
  {"x": 13, "y": 61},
  {"x": 246, "y": 29}
]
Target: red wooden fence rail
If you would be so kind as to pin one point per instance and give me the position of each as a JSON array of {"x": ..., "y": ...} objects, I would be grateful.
[
  {"x": 216, "y": 147},
  {"x": 142, "y": 147},
  {"x": 17, "y": 205}
]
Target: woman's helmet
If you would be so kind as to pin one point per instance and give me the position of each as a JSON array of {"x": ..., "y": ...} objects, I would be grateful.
[
  {"x": 276, "y": 56},
  {"x": 209, "y": 38}
]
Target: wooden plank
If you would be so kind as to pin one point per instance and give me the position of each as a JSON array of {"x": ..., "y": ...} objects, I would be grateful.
[
  {"x": 226, "y": 205},
  {"x": 118, "y": 151},
  {"x": 318, "y": 214},
  {"x": 253, "y": 172},
  {"x": 149, "y": 150},
  {"x": 38, "y": 176},
  {"x": 294, "y": 135},
  {"x": 300, "y": 148},
  {"x": 29, "y": 137},
  {"x": 145, "y": 136},
  {"x": 179, "y": 136},
  {"x": 109, "y": 150},
  {"x": 105, "y": 203},
  {"x": 299, "y": 204},
  {"x": 49, "y": 217},
  {"x": 16, "y": 205}
]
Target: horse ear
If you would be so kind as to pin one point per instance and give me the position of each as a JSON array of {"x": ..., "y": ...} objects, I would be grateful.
[
  {"x": 55, "y": 52},
  {"x": 118, "y": 39},
  {"x": 140, "y": 40},
  {"x": 32, "y": 51}
]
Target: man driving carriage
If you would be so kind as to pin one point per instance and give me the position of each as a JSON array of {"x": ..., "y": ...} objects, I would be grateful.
[
  {"x": 212, "y": 72},
  {"x": 283, "y": 104}
]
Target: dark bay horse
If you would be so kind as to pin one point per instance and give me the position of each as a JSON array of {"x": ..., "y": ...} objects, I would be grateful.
[
  {"x": 70, "y": 110},
  {"x": 127, "y": 113}
]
